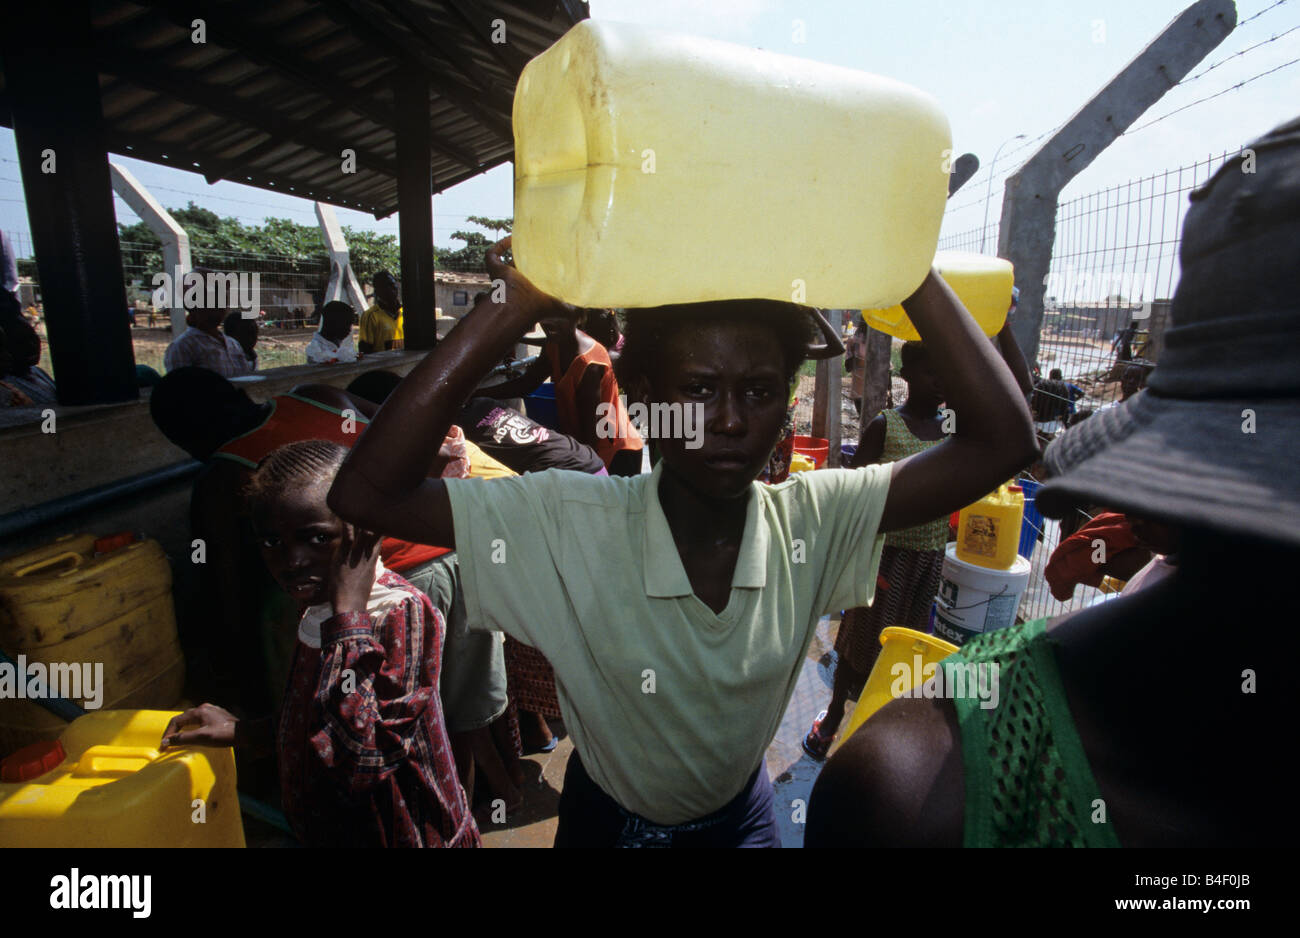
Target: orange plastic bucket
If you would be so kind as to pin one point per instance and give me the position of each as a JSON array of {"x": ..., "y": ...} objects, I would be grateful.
[{"x": 814, "y": 447}]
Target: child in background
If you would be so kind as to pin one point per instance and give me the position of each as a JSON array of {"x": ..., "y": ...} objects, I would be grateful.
[
  {"x": 363, "y": 750},
  {"x": 333, "y": 341},
  {"x": 912, "y": 559}
]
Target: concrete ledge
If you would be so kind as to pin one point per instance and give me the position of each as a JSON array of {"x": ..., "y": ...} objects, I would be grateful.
[{"x": 100, "y": 444}]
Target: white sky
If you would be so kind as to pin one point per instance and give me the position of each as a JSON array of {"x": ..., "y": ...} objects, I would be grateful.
[{"x": 997, "y": 68}]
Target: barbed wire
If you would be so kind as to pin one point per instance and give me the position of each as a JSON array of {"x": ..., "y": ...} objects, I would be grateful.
[
  {"x": 983, "y": 180},
  {"x": 1209, "y": 97},
  {"x": 1261, "y": 13},
  {"x": 1234, "y": 55}
]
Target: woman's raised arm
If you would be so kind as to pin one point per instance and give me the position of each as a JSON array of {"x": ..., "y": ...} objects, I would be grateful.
[
  {"x": 993, "y": 434},
  {"x": 382, "y": 486}
]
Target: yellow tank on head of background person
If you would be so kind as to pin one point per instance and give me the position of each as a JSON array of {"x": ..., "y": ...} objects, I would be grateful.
[
  {"x": 988, "y": 532},
  {"x": 68, "y": 604},
  {"x": 112, "y": 788},
  {"x": 982, "y": 283},
  {"x": 655, "y": 168}
]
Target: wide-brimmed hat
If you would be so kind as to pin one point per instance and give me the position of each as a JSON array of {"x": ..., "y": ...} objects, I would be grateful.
[{"x": 1214, "y": 440}]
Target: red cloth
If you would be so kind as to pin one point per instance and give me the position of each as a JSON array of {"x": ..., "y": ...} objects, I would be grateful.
[
  {"x": 399, "y": 555},
  {"x": 295, "y": 419},
  {"x": 1071, "y": 563}
]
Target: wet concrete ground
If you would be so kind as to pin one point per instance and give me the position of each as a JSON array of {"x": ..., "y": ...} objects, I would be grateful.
[{"x": 791, "y": 770}]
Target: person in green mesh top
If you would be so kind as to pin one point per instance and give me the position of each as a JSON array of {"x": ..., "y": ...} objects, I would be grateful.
[{"x": 1158, "y": 719}]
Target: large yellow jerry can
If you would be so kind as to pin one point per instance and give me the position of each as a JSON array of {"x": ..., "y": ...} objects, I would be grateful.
[
  {"x": 114, "y": 789},
  {"x": 62, "y": 604},
  {"x": 636, "y": 150}
]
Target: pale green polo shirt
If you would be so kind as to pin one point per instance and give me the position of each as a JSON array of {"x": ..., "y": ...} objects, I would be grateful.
[{"x": 670, "y": 706}]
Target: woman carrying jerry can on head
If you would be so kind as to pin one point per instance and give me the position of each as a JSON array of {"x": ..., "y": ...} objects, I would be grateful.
[{"x": 677, "y": 635}]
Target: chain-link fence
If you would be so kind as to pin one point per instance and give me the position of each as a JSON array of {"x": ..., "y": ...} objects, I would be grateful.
[
  {"x": 289, "y": 291},
  {"x": 1108, "y": 291}
]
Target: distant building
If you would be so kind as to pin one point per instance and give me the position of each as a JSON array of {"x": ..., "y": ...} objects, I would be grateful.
[{"x": 454, "y": 291}]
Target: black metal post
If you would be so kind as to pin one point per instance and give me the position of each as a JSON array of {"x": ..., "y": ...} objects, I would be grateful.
[
  {"x": 415, "y": 206},
  {"x": 53, "y": 90}
]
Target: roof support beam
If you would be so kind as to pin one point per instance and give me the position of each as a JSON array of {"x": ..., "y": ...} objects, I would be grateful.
[
  {"x": 343, "y": 282},
  {"x": 230, "y": 33},
  {"x": 474, "y": 76},
  {"x": 175, "y": 241},
  {"x": 479, "y": 17},
  {"x": 183, "y": 159},
  {"x": 58, "y": 128},
  {"x": 415, "y": 217},
  {"x": 179, "y": 85}
]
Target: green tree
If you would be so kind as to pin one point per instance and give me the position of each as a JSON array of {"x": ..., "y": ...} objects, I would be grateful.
[
  {"x": 225, "y": 243},
  {"x": 370, "y": 253},
  {"x": 470, "y": 257},
  {"x": 493, "y": 224}
]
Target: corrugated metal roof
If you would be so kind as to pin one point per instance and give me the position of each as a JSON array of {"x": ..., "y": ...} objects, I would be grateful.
[{"x": 279, "y": 88}]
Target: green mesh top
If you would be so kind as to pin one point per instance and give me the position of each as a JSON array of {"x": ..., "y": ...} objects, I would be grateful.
[
  {"x": 899, "y": 443},
  {"x": 1028, "y": 782}
]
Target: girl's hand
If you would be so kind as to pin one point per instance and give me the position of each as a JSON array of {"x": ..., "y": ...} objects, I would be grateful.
[
  {"x": 214, "y": 727},
  {"x": 525, "y": 304},
  {"x": 354, "y": 570}
]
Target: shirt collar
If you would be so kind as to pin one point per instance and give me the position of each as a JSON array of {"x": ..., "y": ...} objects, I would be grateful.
[{"x": 665, "y": 577}]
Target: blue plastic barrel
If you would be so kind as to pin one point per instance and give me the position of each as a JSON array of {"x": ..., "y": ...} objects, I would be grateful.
[
  {"x": 1033, "y": 522},
  {"x": 540, "y": 406}
]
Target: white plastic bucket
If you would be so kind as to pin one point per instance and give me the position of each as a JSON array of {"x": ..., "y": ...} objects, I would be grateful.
[{"x": 973, "y": 600}]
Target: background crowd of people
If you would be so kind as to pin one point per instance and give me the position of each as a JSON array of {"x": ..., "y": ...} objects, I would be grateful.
[{"x": 409, "y": 579}]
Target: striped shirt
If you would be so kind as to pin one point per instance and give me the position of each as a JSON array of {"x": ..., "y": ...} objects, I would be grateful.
[{"x": 364, "y": 755}]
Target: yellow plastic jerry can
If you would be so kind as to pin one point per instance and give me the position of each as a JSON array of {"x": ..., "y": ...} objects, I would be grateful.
[
  {"x": 104, "y": 783},
  {"x": 633, "y": 143},
  {"x": 988, "y": 532},
  {"x": 103, "y": 607},
  {"x": 982, "y": 283}
]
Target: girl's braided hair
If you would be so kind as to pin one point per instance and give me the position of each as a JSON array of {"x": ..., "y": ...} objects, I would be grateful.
[{"x": 294, "y": 465}]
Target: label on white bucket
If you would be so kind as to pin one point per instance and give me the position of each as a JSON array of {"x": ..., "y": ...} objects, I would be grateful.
[
  {"x": 1001, "y": 611},
  {"x": 945, "y": 628}
]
